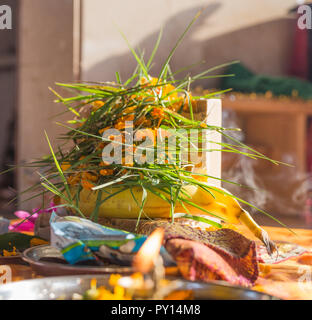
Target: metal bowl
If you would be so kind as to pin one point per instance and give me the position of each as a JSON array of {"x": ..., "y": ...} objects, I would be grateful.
[
  {"x": 12, "y": 260},
  {"x": 65, "y": 287},
  {"x": 48, "y": 261}
]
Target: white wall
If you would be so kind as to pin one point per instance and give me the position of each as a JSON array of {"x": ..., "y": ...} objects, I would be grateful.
[
  {"x": 45, "y": 56},
  {"x": 104, "y": 51}
]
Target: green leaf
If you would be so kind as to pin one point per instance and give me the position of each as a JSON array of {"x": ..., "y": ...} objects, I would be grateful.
[
  {"x": 144, "y": 197},
  {"x": 139, "y": 60},
  {"x": 201, "y": 219},
  {"x": 176, "y": 45},
  {"x": 58, "y": 167},
  {"x": 155, "y": 49},
  {"x": 94, "y": 215}
]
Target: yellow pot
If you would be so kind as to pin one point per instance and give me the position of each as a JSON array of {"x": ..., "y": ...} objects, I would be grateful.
[{"x": 122, "y": 205}]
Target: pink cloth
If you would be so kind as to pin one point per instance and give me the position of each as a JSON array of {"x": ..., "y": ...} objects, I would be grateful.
[{"x": 27, "y": 222}]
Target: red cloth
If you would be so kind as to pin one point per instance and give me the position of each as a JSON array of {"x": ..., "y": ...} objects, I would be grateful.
[
  {"x": 309, "y": 147},
  {"x": 214, "y": 255},
  {"x": 197, "y": 261},
  {"x": 299, "y": 63}
]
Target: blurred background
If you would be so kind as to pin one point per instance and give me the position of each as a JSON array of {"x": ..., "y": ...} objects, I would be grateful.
[{"x": 69, "y": 40}]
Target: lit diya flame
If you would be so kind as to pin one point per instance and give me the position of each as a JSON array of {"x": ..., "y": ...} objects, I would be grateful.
[
  {"x": 144, "y": 260},
  {"x": 148, "y": 282}
]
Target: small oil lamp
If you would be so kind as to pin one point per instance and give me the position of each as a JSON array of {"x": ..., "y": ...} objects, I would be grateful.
[
  {"x": 148, "y": 260},
  {"x": 149, "y": 264},
  {"x": 148, "y": 254},
  {"x": 148, "y": 282}
]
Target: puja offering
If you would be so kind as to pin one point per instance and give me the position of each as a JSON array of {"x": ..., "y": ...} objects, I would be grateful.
[{"x": 130, "y": 207}]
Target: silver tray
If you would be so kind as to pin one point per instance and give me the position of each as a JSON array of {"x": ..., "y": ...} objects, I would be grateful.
[
  {"x": 65, "y": 287},
  {"x": 12, "y": 259},
  {"x": 48, "y": 261}
]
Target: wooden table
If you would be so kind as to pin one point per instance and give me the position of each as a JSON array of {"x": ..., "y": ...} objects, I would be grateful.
[
  {"x": 291, "y": 279},
  {"x": 277, "y": 127},
  {"x": 279, "y": 123}
]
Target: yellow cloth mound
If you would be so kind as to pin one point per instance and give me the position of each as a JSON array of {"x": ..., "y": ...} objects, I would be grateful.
[{"x": 122, "y": 205}]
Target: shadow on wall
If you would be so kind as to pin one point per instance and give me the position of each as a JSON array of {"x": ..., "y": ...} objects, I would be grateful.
[
  {"x": 187, "y": 53},
  {"x": 264, "y": 48}
]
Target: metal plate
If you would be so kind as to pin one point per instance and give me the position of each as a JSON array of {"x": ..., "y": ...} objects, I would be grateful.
[
  {"x": 48, "y": 261},
  {"x": 65, "y": 287},
  {"x": 12, "y": 259}
]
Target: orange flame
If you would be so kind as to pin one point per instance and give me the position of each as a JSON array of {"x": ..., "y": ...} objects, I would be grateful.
[{"x": 145, "y": 258}]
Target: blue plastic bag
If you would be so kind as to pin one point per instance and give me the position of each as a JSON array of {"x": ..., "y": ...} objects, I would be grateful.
[{"x": 80, "y": 239}]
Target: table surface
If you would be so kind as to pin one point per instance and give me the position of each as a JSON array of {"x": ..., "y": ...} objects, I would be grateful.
[{"x": 291, "y": 279}]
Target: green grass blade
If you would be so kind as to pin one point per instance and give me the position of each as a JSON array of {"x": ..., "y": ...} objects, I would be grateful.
[{"x": 176, "y": 46}]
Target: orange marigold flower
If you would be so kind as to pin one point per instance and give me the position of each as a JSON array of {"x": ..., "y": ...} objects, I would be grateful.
[
  {"x": 129, "y": 164},
  {"x": 139, "y": 121},
  {"x": 106, "y": 172},
  {"x": 73, "y": 179},
  {"x": 186, "y": 106},
  {"x": 144, "y": 81},
  {"x": 97, "y": 105},
  {"x": 200, "y": 178},
  {"x": 87, "y": 184},
  {"x": 120, "y": 125},
  {"x": 158, "y": 113},
  {"x": 89, "y": 176},
  {"x": 167, "y": 89},
  {"x": 147, "y": 123},
  {"x": 65, "y": 166},
  {"x": 176, "y": 106},
  {"x": 128, "y": 161},
  {"x": 129, "y": 117},
  {"x": 130, "y": 109},
  {"x": 143, "y": 121},
  {"x": 148, "y": 134},
  {"x": 100, "y": 146},
  {"x": 113, "y": 279},
  {"x": 104, "y": 129},
  {"x": 93, "y": 284},
  {"x": 104, "y": 163}
]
